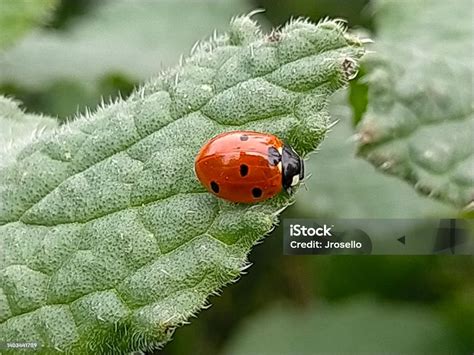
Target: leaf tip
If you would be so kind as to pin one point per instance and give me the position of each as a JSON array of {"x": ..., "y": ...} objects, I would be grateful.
[{"x": 243, "y": 29}]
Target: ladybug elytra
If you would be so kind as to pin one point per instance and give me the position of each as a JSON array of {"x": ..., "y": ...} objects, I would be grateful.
[{"x": 247, "y": 166}]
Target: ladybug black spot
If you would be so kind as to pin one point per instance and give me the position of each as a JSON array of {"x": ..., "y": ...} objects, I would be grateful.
[
  {"x": 256, "y": 192},
  {"x": 215, "y": 187},
  {"x": 244, "y": 137},
  {"x": 244, "y": 170}
]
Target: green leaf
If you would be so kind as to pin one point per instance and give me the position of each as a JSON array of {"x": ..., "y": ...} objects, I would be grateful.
[
  {"x": 332, "y": 191},
  {"x": 19, "y": 16},
  {"x": 358, "y": 327},
  {"x": 108, "y": 240},
  {"x": 419, "y": 123},
  {"x": 18, "y": 129}
]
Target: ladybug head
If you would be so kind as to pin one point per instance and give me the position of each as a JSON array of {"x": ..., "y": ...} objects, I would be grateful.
[{"x": 292, "y": 168}]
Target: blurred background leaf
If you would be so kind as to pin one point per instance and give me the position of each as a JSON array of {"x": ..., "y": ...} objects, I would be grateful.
[
  {"x": 17, "y": 17},
  {"x": 357, "y": 327},
  {"x": 419, "y": 121},
  {"x": 435, "y": 27},
  {"x": 342, "y": 185}
]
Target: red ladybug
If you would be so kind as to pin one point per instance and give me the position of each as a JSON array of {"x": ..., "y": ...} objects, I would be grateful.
[{"x": 246, "y": 166}]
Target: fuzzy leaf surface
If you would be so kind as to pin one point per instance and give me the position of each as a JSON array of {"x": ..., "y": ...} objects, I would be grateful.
[{"x": 107, "y": 240}]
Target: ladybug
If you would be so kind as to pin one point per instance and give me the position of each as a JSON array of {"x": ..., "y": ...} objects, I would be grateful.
[{"x": 247, "y": 167}]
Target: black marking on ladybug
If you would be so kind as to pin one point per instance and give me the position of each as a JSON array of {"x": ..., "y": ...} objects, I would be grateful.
[
  {"x": 256, "y": 192},
  {"x": 215, "y": 187},
  {"x": 244, "y": 137},
  {"x": 274, "y": 156},
  {"x": 292, "y": 165},
  {"x": 244, "y": 170}
]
